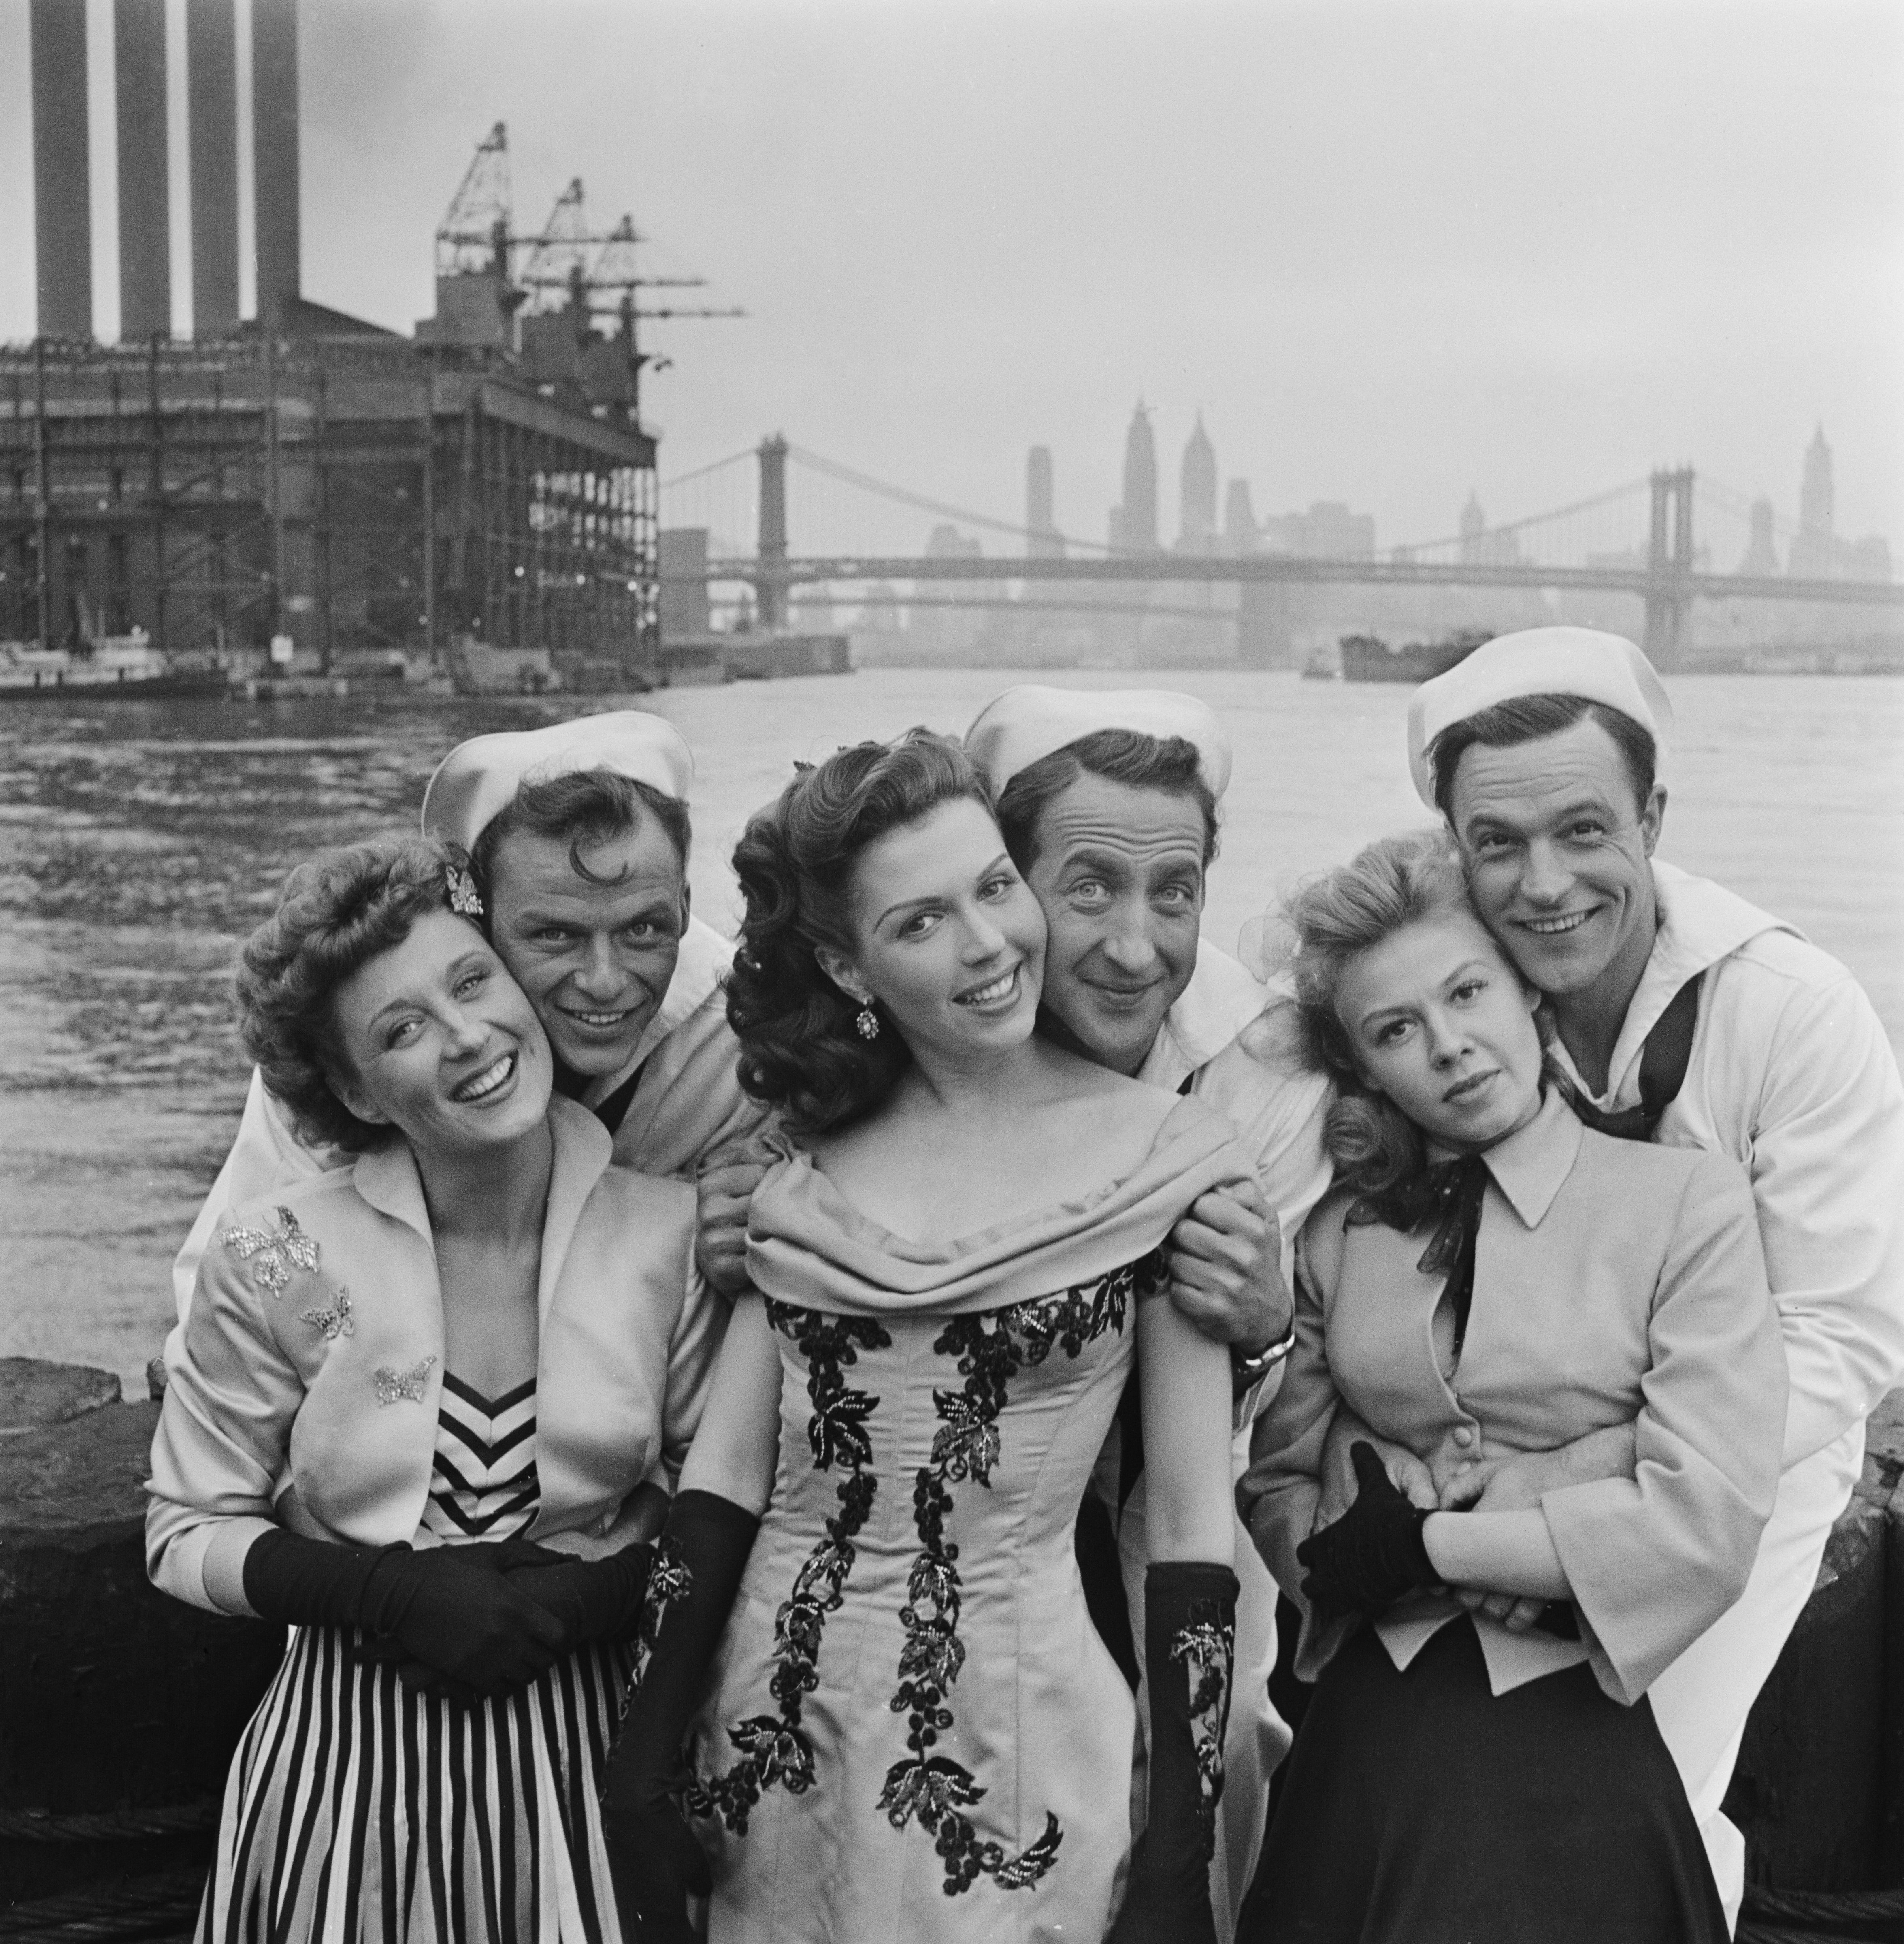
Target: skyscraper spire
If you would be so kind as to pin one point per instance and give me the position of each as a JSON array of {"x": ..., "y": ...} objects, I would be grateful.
[
  {"x": 1138, "y": 527},
  {"x": 1815, "y": 495},
  {"x": 1197, "y": 524}
]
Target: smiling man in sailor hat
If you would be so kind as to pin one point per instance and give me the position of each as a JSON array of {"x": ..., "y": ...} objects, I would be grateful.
[
  {"x": 1687, "y": 1016},
  {"x": 578, "y": 834},
  {"x": 1107, "y": 801}
]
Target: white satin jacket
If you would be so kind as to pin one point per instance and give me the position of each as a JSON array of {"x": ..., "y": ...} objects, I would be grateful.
[{"x": 311, "y": 1356}]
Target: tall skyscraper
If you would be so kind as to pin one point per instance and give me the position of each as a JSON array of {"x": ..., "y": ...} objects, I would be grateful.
[
  {"x": 1239, "y": 519},
  {"x": 1138, "y": 527},
  {"x": 1815, "y": 495},
  {"x": 1041, "y": 541},
  {"x": 1198, "y": 527},
  {"x": 1761, "y": 550}
]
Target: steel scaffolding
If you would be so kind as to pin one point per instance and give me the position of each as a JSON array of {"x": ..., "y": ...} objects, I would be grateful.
[{"x": 352, "y": 492}]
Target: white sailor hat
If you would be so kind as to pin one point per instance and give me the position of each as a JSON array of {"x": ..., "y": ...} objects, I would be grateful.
[
  {"x": 478, "y": 778},
  {"x": 1606, "y": 669},
  {"x": 1014, "y": 730}
]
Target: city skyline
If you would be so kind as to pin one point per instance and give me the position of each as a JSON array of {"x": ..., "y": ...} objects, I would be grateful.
[{"x": 1392, "y": 252}]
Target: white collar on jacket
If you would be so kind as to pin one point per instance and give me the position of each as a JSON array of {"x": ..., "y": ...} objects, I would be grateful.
[
  {"x": 387, "y": 1180},
  {"x": 1221, "y": 999}
]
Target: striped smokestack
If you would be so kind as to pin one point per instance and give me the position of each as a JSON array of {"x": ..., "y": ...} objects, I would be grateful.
[
  {"x": 62, "y": 220},
  {"x": 274, "y": 118},
  {"x": 145, "y": 211},
  {"x": 212, "y": 67}
]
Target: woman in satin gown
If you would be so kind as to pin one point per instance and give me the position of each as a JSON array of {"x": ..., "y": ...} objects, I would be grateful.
[{"x": 871, "y": 1703}]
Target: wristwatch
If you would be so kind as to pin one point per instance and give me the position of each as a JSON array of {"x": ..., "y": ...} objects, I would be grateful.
[{"x": 1246, "y": 1369}]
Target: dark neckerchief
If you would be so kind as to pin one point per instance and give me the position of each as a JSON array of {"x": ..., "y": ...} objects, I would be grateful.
[
  {"x": 610, "y": 1112},
  {"x": 1449, "y": 1195},
  {"x": 1663, "y": 1061}
]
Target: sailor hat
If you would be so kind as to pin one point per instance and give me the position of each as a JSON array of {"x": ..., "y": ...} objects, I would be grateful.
[
  {"x": 479, "y": 778},
  {"x": 1015, "y": 729},
  {"x": 1606, "y": 669}
]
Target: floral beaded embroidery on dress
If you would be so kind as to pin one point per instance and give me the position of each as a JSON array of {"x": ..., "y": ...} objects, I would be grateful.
[
  {"x": 779, "y": 1751},
  {"x": 992, "y": 1348},
  {"x": 932, "y": 1673}
]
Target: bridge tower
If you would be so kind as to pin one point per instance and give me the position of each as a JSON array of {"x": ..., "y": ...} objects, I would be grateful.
[
  {"x": 771, "y": 585},
  {"x": 1669, "y": 564}
]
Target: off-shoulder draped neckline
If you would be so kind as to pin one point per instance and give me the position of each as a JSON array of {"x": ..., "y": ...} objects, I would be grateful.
[{"x": 808, "y": 1244}]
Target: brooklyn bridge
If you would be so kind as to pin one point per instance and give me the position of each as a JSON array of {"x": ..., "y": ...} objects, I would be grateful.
[{"x": 1671, "y": 539}]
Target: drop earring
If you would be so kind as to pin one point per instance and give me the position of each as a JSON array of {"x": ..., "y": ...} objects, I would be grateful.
[{"x": 867, "y": 1021}]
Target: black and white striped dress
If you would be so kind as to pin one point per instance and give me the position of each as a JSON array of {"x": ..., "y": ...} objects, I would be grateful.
[{"x": 360, "y": 1811}]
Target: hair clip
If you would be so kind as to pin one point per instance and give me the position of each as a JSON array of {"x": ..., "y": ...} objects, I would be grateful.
[
  {"x": 463, "y": 899},
  {"x": 800, "y": 769}
]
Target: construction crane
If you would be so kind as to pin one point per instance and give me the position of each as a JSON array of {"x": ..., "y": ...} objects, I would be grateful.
[{"x": 568, "y": 268}]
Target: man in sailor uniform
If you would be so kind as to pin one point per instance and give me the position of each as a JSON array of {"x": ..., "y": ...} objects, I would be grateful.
[
  {"x": 579, "y": 832},
  {"x": 1686, "y": 1016}
]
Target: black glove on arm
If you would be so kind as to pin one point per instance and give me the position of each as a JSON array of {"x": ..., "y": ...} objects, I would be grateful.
[
  {"x": 449, "y": 1607},
  {"x": 1374, "y": 1554},
  {"x": 594, "y": 1599},
  {"x": 656, "y": 1859},
  {"x": 1189, "y": 1647}
]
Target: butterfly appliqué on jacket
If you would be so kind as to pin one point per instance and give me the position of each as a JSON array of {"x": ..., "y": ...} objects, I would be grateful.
[
  {"x": 401, "y": 1386},
  {"x": 276, "y": 1252},
  {"x": 335, "y": 1321}
]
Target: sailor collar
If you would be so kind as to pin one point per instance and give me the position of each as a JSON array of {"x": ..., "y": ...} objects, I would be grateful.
[{"x": 1700, "y": 923}]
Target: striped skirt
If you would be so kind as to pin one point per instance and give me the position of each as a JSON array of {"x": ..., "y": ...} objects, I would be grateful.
[{"x": 360, "y": 1811}]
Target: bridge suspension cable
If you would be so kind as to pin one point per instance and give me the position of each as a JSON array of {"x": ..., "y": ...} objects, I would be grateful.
[
  {"x": 1592, "y": 504},
  {"x": 850, "y": 476},
  {"x": 702, "y": 472}
]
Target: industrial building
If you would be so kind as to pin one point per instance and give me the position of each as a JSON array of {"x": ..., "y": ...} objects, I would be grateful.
[{"x": 306, "y": 477}]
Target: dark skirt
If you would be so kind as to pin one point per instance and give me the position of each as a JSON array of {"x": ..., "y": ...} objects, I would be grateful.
[
  {"x": 1419, "y": 1808},
  {"x": 360, "y": 1810}
]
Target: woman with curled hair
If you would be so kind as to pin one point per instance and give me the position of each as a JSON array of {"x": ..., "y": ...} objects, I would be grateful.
[
  {"x": 1489, "y": 1280},
  {"x": 421, "y": 1410},
  {"x": 911, "y": 1730}
]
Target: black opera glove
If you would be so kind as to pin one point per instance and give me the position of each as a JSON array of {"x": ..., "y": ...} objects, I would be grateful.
[
  {"x": 1189, "y": 1649},
  {"x": 657, "y": 1861},
  {"x": 594, "y": 1599},
  {"x": 449, "y": 1607},
  {"x": 1374, "y": 1553}
]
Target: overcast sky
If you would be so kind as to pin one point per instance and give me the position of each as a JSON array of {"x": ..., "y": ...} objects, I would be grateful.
[{"x": 1392, "y": 251}]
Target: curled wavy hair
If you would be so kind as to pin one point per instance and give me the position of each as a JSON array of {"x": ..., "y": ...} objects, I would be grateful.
[
  {"x": 799, "y": 1049},
  {"x": 337, "y": 912},
  {"x": 1329, "y": 922}
]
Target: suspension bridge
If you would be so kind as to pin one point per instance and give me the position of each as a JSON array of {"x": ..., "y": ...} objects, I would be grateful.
[{"x": 1668, "y": 538}]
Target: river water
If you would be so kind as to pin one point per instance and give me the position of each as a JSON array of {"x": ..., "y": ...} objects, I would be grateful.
[{"x": 145, "y": 839}]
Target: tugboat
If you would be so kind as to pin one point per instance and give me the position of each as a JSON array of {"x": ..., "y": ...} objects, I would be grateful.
[
  {"x": 103, "y": 668},
  {"x": 1367, "y": 658}
]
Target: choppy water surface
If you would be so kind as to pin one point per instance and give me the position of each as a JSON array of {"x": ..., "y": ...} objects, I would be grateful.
[{"x": 142, "y": 841}]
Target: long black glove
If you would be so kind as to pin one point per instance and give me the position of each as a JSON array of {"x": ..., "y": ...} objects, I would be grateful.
[
  {"x": 657, "y": 1862},
  {"x": 1374, "y": 1553},
  {"x": 596, "y": 1599},
  {"x": 449, "y": 1607},
  {"x": 1189, "y": 1648}
]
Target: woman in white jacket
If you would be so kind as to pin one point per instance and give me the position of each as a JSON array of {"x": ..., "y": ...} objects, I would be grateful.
[{"x": 421, "y": 1409}]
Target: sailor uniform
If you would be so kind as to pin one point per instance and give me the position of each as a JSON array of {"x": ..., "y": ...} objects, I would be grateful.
[{"x": 1791, "y": 1074}]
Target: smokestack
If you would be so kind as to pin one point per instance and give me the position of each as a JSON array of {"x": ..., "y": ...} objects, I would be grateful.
[
  {"x": 62, "y": 220},
  {"x": 145, "y": 212},
  {"x": 212, "y": 69},
  {"x": 274, "y": 131}
]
